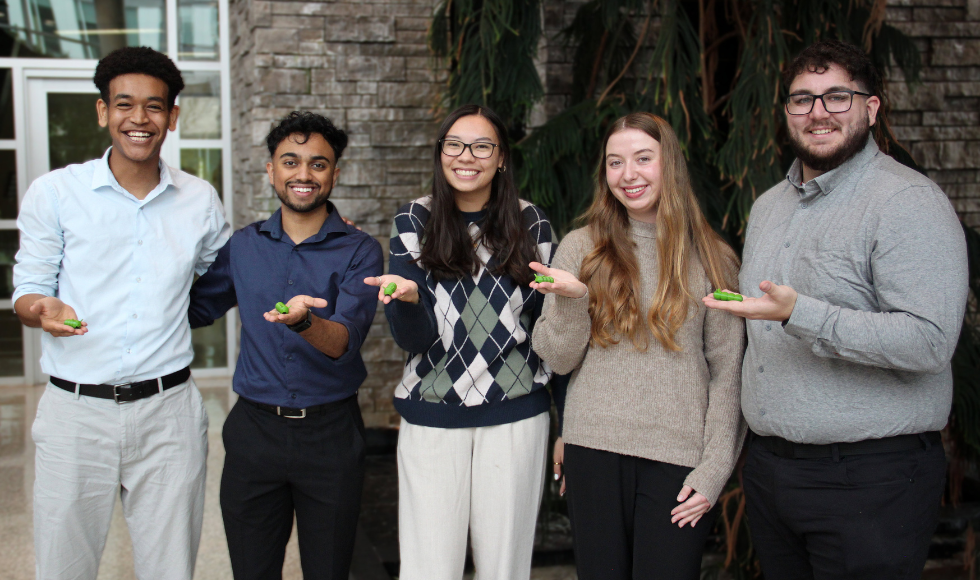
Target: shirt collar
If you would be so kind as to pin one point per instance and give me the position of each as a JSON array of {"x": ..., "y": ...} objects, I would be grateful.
[
  {"x": 827, "y": 182},
  {"x": 103, "y": 177},
  {"x": 333, "y": 224}
]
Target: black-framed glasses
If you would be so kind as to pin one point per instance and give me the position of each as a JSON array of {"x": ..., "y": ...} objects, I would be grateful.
[
  {"x": 480, "y": 150},
  {"x": 833, "y": 102}
]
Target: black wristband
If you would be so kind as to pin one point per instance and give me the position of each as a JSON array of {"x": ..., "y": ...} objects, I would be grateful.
[{"x": 303, "y": 324}]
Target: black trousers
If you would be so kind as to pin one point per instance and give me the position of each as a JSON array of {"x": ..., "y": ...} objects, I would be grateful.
[
  {"x": 275, "y": 466},
  {"x": 620, "y": 511},
  {"x": 861, "y": 517}
]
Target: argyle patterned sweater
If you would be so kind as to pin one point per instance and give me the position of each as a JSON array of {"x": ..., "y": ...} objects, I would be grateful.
[{"x": 470, "y": 361}]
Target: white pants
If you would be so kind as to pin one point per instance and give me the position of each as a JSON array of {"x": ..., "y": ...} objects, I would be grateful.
[
  {"x": 486, "y": 479},
  {"x": 152, "y": 451}
]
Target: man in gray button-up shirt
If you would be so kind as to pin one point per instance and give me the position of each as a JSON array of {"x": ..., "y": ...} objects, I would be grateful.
[{"x": 863, "y": 262}]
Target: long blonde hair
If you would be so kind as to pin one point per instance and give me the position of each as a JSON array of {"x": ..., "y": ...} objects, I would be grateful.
[{"x": 611, "y": 270}]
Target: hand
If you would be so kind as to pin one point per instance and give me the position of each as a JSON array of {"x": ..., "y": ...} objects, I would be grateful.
[
  {"x": 695, "y": 505},
  {"x": 406, "y": 291},
  {"x": 777, "y": 304},
  {"x": 298, "y": 307},
  {"x": 53, "y": 314},
  {"x": 564, "y": 285},
  {"x": 559, "y": 463},
  {"x": 352, "y": 224}
]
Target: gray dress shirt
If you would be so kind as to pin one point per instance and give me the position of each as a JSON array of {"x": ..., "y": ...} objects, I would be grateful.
[{"x": 878, "y": 258}]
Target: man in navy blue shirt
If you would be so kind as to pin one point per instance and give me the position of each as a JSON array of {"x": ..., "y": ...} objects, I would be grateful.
[{"x": 294, "y": 442}]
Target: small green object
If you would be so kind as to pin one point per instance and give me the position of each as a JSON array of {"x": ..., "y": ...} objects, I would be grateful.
[
  {"x": 76, "y": 324},
  {"x": 727, "y": 296},
  {"x": 539, "y": 279},
  {"x": 390, "y": 289},
  {"x": 282, "y": 308}
]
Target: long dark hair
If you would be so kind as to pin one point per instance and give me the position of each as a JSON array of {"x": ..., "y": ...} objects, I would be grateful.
[{"x": 447, "y": 248}]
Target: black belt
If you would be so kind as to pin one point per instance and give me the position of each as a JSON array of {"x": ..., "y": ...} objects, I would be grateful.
[
  {"x": 292, "y": 412},
  {"x": 127, "y": 391},
  {"x": 789, "y": 450}
]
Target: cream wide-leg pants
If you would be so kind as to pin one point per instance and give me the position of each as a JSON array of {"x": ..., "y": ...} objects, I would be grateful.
[
  {"x": 151, "y": 451},
  {"x": 487, "y": 480}
]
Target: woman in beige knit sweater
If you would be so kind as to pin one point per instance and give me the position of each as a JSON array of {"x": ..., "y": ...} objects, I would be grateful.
[{"x": 652, "y": 424}]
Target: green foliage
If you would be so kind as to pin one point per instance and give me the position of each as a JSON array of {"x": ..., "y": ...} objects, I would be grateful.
[{"x": 490, "y": 46}]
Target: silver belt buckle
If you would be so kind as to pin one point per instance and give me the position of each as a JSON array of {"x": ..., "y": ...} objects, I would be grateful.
[
  {"x": 115, "y": 393},
  {"x": 302, "y": 414}
]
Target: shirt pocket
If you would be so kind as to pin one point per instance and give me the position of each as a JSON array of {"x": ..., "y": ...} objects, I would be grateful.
[{"x": 819, "y": 273}]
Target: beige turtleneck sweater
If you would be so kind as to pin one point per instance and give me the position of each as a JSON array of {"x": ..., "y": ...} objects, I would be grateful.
[{"x": 681, "y": 407}]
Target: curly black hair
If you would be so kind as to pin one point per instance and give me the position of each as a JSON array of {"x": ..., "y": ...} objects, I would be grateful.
[
  {"x": 307, "y": 123},
  {"x": 820, "y": 55},
  {"x": 139, "y": 60}
]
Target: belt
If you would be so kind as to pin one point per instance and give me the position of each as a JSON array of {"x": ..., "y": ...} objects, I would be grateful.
[
  {"x": 127, "y": 391},
  {"x": 789, "y": 450},
  {"x": 292, "y": 412}
]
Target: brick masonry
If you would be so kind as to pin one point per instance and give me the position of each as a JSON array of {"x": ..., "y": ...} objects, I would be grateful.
[
  {"x": 365, "y": 65},
  {"x": 939, "y": 120}
]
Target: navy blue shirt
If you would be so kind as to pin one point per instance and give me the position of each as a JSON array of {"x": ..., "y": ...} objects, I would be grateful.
[{"x": 260, "y": 266}]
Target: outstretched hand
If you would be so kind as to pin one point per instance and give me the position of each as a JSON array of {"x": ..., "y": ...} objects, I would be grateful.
[
  {"x": 690, "y": 511},
  {"x": 405, "y": 289},
  {"x": 776, "y": 304},
  {"x": 53, "y": 314},
  {"x": 565, "y": 284},
  {"x": 298, "y": 307}
]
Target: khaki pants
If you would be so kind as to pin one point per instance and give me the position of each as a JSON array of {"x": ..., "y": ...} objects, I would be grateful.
[
  {"x": 151, "y": 451},
  {"x": 487, "y": 480}
]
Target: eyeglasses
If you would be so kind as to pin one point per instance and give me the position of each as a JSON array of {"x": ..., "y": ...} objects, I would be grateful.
[
  {"x": 835, "y": 102},
  {"x": 454, "y": 148}
]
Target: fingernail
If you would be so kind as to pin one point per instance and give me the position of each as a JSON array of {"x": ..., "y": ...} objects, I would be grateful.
[{"x": 557, "y": 477}]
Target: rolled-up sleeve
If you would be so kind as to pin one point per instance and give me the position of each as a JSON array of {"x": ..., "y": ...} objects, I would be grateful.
[{"x": 357, "y": 302}]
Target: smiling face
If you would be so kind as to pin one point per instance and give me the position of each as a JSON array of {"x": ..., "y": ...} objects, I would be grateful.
[
  {"x": 634, "y": 173},
  {"x": 823, "y": 140},
  {"x": 470, "y": 176},
  {"x": 303, "y": 173},
  {"x": 137, "y": 117}
]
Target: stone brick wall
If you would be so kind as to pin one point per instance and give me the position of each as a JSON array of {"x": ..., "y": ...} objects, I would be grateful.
[
  {"x": 939, "y": 121},
  {"x": 365, "y": 65}
]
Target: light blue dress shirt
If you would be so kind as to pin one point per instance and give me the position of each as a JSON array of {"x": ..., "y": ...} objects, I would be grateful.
[{"x": 125, "y": 265}]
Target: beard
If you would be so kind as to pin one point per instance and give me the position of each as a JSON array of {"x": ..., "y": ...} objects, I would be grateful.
[
  {"x": 307, "y": 207},
  {"x": 835, "y": 158}
]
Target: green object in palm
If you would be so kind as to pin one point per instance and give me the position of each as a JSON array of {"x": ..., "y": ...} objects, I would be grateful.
[
  {"x": 76, "y": 324},
  {"x": 390, "y": 289},
  {"x": 727, "y": 296},
  {"x": 539, "y": 278},
  {"x": 282, "y": 308}
]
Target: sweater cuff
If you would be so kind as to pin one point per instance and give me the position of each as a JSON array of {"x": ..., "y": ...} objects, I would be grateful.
[
  {"x": 807, "y": 318},
  {"x": 707, "y": 484},
  {"x": 573, "y": 309}
]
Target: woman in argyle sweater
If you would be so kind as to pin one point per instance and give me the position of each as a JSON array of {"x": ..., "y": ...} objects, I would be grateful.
[{"x": 473, "y": 440}]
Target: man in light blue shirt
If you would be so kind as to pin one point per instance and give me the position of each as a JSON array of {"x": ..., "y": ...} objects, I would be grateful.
[{"x": 116, "y": 242}]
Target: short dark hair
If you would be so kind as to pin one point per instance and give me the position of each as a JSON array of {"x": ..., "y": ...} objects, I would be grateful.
[
  {"x": 307, "y": 123},
  {"x": 138, "y": 60},
  {"x": 820, "y": 55}
]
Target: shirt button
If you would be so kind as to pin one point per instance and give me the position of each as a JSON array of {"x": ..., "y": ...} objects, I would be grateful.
[
  {"x": 134, "y": 316},
  {"x": 760, "y": 368},
  {"x": 786, "y": 244},
  {"x": 129, "y": 350},
  {"x": 293, "y": 396},
  {"x": 803, "y": 205},
  {"x": 289, "y": 357},
  {"x": 769, "y": 326},
  {"x": 762, "y": 412},
  {"x": 139, "y": 243},
  {"x": 139, "y": 280},
  {"x": 290, "y": 282}
]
